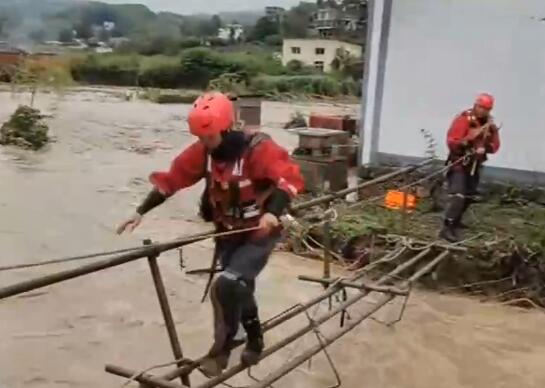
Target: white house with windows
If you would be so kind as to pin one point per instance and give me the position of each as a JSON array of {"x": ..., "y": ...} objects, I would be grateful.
[{"x": 319, "y": 53}]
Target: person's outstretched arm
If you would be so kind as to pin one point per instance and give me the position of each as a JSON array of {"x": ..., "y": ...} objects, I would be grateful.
[{"x": 186, "y": 170}]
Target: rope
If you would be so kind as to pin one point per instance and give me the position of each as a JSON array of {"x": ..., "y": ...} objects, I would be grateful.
[
  {"x": 332, "y": 253},
  {"x": 139, "y": 374},
  {"x": 249, "y": 370},
  {"x": 213, "y": 235},
  {"x": 415, "y": 183},
  {"x": 320, "y": 337},
  {"x": 68, "y": 259},
  {"x": 126, "y": 250},
  {"x": 386, "y": 259}
]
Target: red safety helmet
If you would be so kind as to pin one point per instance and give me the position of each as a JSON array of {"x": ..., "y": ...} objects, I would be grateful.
[
  {"x": 485, "y": 100},
  {"x": 212, "y": 113}
]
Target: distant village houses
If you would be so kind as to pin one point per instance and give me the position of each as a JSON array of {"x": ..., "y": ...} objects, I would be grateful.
[
  {"x": 341, "y": 22},
  {"x": 275, "y": 14},
  {"x": 319, "y": 53},
  {"x": 231, "y": 32},
  {"x": 10, "y": 55}
]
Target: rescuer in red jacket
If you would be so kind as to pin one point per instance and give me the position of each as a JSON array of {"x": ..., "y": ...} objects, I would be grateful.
[
  {"x": 250, "y": 181},
  {"x": 473, "y": 134}
]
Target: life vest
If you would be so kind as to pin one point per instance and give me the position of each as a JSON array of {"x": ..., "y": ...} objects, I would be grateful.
[
  {"x": 474, "y": 125},
  {"x": 231, "y": 199}
]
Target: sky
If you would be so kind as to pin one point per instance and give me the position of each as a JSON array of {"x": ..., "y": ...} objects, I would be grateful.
[{"x": 207, "y": 6}]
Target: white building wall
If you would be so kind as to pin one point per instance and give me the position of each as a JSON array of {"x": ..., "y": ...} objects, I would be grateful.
[
  {"x": 371, "y": 87},
  {"x": 308, "y": 48},
  {"x": 440, "y": 54}
]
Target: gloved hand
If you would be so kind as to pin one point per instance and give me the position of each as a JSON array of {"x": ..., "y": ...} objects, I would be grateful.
[
  {"x": 130, "y": 224},
  {"x": 268, "y": 222}
]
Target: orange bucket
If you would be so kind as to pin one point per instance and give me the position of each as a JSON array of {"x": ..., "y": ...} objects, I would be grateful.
[{"x": 395, "y": 199}]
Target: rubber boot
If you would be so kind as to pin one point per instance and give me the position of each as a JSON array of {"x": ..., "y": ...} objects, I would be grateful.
[
  {"x": 449, "y": 232},
  {"x": 254, "y": 342},
  {"x": 214, "y": 365},
  {"x": 458, "y": 223},
  {"x": 222, "y": 294}
]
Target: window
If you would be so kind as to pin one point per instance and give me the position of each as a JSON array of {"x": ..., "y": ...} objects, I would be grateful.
[
  {"x": 319, "y": 65},
  {"x": 296, "y": 50},
  {"x": 320, "y": 51}
]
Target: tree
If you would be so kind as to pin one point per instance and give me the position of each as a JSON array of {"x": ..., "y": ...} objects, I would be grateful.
[
  {"x": 232, "y": 35},
  {"x": 104, "y": 35},
  {"x": 156, "y": 45},
  {"x": 117, "y": 32},
  {"x": 295, "y": 65},
  {"x": 273, "y": 40},
  {"x": 263, "y": 28},
  {"x": 66, "y": 35},
  {"x": 347, "y": 64},
  {"x": 98, "y": 13},
  {"x": 297, "y": 20},
  {"x": 215, "y": 23},
  {"x": 210, "y": 27},
  {"x": 37, "y": 74},
  {"x": 83, "y": 30},
  {"x": 3, "y": 20},
  {"x": 37, "y": 35}
]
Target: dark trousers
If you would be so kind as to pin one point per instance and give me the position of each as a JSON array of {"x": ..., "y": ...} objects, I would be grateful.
[
  {"x": 232, "y": 293},
  {"x": 462, "y": 189}
]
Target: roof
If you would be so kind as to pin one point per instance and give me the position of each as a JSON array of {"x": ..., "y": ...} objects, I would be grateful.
[
  {"x": 317, "y": 40},
  {"x": 6, "y": 48}
]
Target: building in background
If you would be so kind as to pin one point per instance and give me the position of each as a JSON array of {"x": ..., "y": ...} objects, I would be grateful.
[
  {"x": 10, "y": 55},
  {"x": 108, "y": 26},
  {"x": 275, "y": 14},
  {"x": 340, "y": 20},
  {"x": 422, "y": 69},
  {"x": 231, "y": 32},
  {"x": 117, "y": 42},
  {"x": 319, "y": 53}
]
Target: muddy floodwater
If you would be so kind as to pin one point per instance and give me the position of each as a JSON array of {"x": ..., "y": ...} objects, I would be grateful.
[{"x": 68, "y": 199}]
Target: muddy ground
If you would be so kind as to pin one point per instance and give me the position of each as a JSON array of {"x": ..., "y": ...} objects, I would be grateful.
[{"x": 67, "y": 200}]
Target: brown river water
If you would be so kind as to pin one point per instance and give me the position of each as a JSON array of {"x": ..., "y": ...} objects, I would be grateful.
[{"x": 68, "y": 199}]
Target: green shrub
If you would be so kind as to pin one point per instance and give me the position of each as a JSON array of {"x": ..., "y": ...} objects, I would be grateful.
[
  {"x": 200, "y": 68},
  {"x": 174, "y": 98},
  {"x": 274, "y": 40},
  {"x": 306, "y": 84},
  {"x": 350, "y": 87},
  {"x": 296, "y": 67},
  {"x": 189, "y": 43},
  {"x": 217, "y": 42},
  {"x": 107, "y": 69},
  {"x": 169, "y": 97},
  {"x": 25, "y": 129},
  {"x": 201, "y": 65},
  {"x": 255, "y": 64},
  {"x": 161, "y": 72},
  {"x": 229, "y": 83}
]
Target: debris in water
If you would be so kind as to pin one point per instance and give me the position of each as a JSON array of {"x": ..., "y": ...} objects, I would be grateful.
[
  {"x": 297, "y": 120},
  {"x": 25, "y": 129}
]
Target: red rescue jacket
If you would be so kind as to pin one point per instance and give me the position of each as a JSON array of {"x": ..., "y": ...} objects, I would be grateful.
[
  {"x": 238, "y": 190},
  {"x": 461, "y": 138}
]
